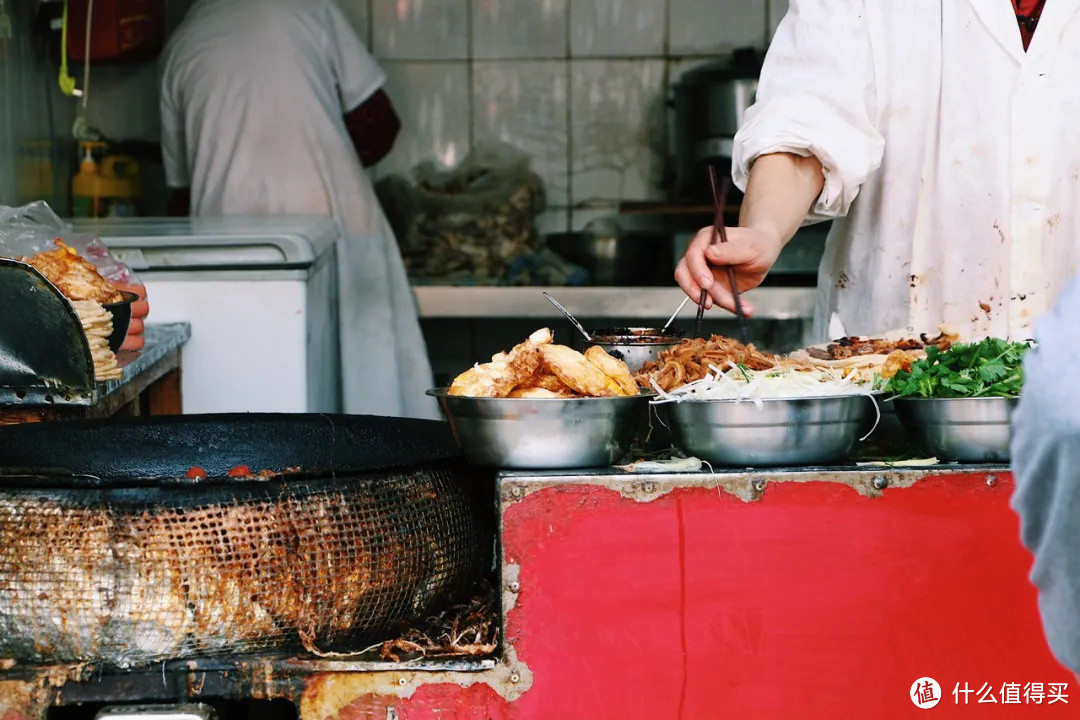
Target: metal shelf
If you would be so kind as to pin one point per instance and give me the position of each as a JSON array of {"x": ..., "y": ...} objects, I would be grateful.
[{"x": 439, "y": 301}]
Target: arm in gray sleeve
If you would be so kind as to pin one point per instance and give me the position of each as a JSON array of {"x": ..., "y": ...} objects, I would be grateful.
[{"x": 1046, "y": 463}]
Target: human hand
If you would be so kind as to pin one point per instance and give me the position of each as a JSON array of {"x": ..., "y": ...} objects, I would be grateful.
[{"x": 751, "y": 253}]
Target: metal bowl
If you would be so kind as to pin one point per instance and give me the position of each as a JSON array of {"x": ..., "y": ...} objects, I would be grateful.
[
  {"x": 121, "y": 318},
  {"x": 635, "y": 346},
  {"x": 960, "y": 429},
  {"x": 803, "y": 431},
  {"x": 535, "y": 434}
]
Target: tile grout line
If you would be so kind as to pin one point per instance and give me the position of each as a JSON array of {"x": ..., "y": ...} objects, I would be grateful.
[
  {"x": 470, "y": 57},
  {"x": 666, "y": 165},
  {"x": 568, "y": 60}
]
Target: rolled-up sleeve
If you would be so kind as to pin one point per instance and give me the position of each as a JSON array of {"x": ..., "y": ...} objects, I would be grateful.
[
  {"x": 817, "y": 97},
  {"x": 358, "y": 74},
  {"x": 1046, "y": 464}
]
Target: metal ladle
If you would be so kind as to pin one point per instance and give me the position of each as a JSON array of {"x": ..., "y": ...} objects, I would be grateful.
[{"x": 573, "y": 320}]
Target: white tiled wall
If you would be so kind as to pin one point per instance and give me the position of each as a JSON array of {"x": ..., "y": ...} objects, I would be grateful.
[{"x": 579, "y": 84}]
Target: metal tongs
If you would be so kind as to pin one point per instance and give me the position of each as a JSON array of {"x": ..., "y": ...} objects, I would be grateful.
[
  {"x": 573, "y": 320},
  {"x": 720, "y": 233}
]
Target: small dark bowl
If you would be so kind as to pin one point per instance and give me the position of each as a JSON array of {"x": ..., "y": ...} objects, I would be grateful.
[{"x": 121, "y": 318}]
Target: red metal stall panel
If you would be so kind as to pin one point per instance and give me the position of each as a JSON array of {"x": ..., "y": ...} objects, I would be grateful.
[
  {"x": 813, "y": 602},
  {"x": 401, "y": 696}
]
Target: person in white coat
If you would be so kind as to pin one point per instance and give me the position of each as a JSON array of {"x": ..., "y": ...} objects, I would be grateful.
[
  {"x": 272, "y": 107},
  {"x": 944, "y": 146}
]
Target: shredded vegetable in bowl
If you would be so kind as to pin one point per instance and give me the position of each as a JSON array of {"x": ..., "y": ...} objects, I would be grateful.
[{"x": 739, "y": 383}]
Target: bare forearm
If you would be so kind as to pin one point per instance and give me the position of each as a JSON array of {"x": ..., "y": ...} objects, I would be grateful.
[{"x": 781, "y": 190}]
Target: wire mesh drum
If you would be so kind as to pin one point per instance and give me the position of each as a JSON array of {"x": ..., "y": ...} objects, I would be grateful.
[{"x": 321, "y": 561}]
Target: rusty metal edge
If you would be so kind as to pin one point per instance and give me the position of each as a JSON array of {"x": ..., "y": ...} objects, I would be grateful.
[{"x": 747, "y": 485}]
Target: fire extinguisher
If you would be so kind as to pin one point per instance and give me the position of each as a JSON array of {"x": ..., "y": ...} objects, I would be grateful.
[{"x": 120, "y": 30}]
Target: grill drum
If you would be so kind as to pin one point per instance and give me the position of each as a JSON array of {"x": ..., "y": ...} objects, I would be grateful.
[{"x": 126, "y": 577}]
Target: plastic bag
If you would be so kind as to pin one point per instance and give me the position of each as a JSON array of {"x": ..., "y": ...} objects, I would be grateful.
[
  {"x": 33, "y": 228},
  {"x": 472, "y": 220}
]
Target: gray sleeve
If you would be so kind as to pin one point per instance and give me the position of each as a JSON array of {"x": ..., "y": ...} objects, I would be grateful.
[{"x": 1046, "y": 464}]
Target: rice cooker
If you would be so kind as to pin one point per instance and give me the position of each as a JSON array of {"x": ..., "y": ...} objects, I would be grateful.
[{"x": 709, "y": 104}]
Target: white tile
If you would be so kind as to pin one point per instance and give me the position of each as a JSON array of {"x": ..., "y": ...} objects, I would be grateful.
[
  {"x": 357, "y": 13},
  {"x": 435, "y": 119},
  {"x": 618, "y": 134},
  {"x": 617, "y": 27},
  {"x": 777, "y": 10},
  {"x": 519, "y": 28},
  {"x": 420, "y": 29},
  {"x": 711, "y": 26},
  {"x": 524, "y": 103}
]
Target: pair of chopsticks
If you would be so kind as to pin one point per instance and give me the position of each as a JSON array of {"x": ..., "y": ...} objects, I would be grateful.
[{"x": 720, "y": 233}]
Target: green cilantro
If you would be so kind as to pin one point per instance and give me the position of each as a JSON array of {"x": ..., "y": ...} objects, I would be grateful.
[{"x": 991, "y": 368}]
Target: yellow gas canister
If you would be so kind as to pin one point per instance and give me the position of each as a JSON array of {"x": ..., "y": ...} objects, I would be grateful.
[{"x": 109, "y": 188}]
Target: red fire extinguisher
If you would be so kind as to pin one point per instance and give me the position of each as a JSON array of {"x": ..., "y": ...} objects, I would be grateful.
[{"x": 119, "y": 29}]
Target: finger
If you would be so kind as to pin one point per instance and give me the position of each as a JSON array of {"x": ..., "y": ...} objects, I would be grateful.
[
  {"x": 731, "y": 253},
  {"x": 136, "y": 327},
  {"x": 140, "y": 309},
  {"x": 696, "y": 261},
  {"x": 686, "y": 280},
  {"x": 721, "y": 293},
  {"x": 689, "y": 285}
]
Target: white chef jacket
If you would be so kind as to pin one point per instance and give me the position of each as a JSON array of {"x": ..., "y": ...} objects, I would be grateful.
[
  {"x": 253, "y": 96},
  {"x": 951, "y": 156}
]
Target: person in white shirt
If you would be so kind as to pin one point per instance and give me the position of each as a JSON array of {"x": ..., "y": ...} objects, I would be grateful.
[
  {"x": 944, "y": 146},
  {"x": 272, "y": 107}
]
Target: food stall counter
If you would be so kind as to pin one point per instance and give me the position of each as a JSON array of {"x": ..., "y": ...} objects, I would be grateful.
[{"x": 149, "y": 384}]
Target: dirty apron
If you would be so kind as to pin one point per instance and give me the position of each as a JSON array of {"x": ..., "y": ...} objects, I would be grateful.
[
  {"x": 384, "y": 361},
  {"x": 952, "y": 163}
]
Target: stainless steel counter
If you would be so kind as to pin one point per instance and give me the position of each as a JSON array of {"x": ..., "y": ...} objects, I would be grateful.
[{"x": 597, "y": 302}]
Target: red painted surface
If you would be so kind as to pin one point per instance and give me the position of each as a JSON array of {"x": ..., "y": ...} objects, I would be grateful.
[
  {"x": 432, "y": 702},
  {"x": 815, "y": 602}
]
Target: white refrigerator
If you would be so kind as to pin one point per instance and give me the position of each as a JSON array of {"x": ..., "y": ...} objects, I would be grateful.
[{"x": 261, "y": 296}]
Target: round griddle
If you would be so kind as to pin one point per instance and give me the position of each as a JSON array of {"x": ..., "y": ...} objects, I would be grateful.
[{"x": 114, "y": 452}]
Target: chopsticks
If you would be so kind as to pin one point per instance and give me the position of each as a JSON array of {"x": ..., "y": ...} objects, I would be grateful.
[{"x": 720, "y": 233}]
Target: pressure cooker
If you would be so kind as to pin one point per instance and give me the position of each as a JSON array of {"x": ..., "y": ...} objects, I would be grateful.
[{"x": 709, "y": 104}]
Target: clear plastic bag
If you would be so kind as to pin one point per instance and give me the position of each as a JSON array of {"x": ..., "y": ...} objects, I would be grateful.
[
  {"x": 471, "y": 220},
  {"x": 33, "y": 228}
]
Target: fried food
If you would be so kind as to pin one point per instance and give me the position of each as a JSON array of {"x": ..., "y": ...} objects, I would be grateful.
[
  {"x": 616, "y": 370},
  {"x": 76, "y": 278},
  {"x": 855, "y": 346},
  {"x": 537, "y": 368},
  {"x": 534, "y": 393},
  {"x": 553, "y": 384},
  {"x": 690, "y": 360},
  {"x": 898, "y": 360},
  {"x": 520, "y": 367},
  {"x": 577, "y": 372}
]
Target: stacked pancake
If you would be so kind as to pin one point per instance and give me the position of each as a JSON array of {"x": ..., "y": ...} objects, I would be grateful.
[{"x": 97, "y": 326}]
